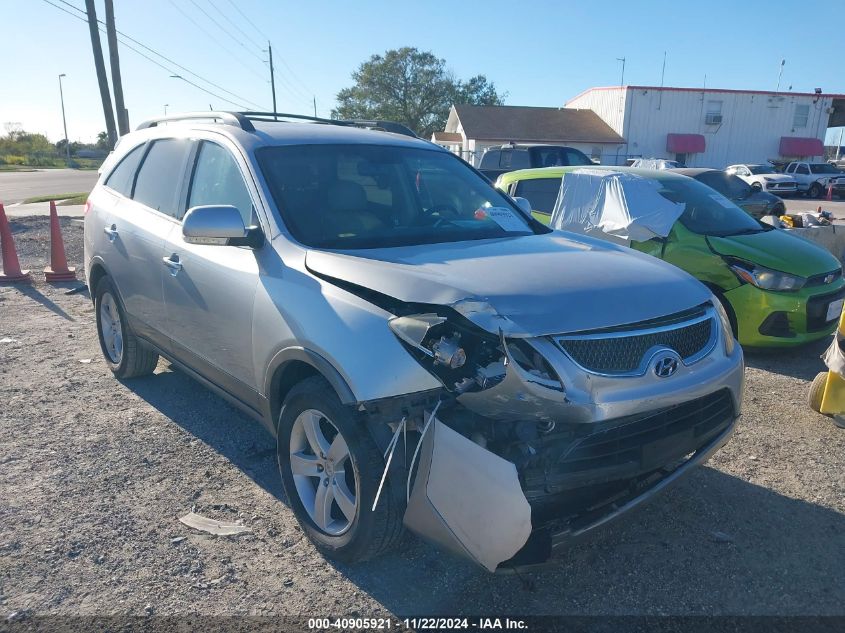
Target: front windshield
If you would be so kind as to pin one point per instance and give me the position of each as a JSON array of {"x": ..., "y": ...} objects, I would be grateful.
[
  {"x": 823, "y": 168},
  {"x": 707, "y": 211},
  {"x": 761, "y": 169},
  {"x": 371, "y": 196}
]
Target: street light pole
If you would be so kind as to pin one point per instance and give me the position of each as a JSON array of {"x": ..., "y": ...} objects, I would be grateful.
[
  {"x": 165, "y": 108},
  {"x": 64, "y": 120}
]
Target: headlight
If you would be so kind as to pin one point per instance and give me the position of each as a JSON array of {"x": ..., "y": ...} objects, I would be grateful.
[
  {"x": 766, "y": 278},
  {"x": 768, "y": 179},
  {"x": 727, "y": 330},
  {"x": 414, "y": 330}
]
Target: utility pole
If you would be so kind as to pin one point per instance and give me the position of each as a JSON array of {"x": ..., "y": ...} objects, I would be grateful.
[
  {"x": 114, "y": 63},
  {"x": 622, "y": 80},
  {"x": 101, "y": 72},
  {"x": 315, "y": 107},
  {"x": 662, "y": 76},
  {"x": 272, "y": 77},
  {"x": 780, "y": 73},
  {"x": 64, "y": 120}
]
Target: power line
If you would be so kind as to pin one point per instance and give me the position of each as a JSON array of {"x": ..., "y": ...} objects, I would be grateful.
[
  {"x": 238, "y": 9},
  {"x": 304, "y": 95},
  {"x": 150, "y": 59},
  {"x": 226, "y": 31},
  {"x": 178, "y": 65},
  {"x": 215, "y": 38},
  {"x": 232, "y": 22}
]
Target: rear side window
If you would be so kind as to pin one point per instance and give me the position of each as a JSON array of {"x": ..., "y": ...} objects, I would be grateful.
[
  {"x": 515, "y": 159},
  {"x": 540, "y": 192},
  {"x": 123, "y": 176},
  {"x": 217, "y": 180},
  {"x": 159, "y": 181},
  {"x": 490, "y": 159}
]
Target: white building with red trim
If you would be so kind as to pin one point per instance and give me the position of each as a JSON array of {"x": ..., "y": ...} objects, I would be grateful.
[{"x": 709, "y": 127}]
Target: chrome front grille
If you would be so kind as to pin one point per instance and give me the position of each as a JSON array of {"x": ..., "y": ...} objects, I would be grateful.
[{"x": 627, "y": 352}]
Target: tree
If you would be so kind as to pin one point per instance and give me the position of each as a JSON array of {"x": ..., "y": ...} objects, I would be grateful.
[
  {"x": 103, "y": 141},
  {"x": 412, "y": 87}
]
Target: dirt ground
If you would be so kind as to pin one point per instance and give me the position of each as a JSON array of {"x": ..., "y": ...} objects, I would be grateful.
[{"x": 94, "y": 474}]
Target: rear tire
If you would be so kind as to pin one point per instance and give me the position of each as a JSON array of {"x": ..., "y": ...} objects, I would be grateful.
[
  {"x": 341, "y": 532},
  {"x": 125, "y": 355},
  {"x": 814, "y": 397}
]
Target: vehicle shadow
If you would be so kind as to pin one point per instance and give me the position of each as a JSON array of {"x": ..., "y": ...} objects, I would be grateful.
[
  {"x": 206, "y": 416},
  {"x": 713, "y": 544},
  {"x": 801, "y": 362}
]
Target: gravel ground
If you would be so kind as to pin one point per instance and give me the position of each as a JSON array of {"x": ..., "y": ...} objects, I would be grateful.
[{"x": 94, "y": 474}]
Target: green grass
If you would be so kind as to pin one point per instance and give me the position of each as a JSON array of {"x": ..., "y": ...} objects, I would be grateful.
[
  {"x": 81, "y": 196},
  {"x": 80, "y": 199}
]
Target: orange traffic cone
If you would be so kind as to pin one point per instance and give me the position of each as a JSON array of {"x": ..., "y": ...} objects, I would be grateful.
[
  {"x": 11, "y": 267},
  {"x": 58, "y": 269},
  {"x": 829, "y": 196}
]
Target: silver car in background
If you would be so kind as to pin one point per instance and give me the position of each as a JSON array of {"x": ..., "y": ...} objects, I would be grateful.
[{"x": 427, "y": 355}]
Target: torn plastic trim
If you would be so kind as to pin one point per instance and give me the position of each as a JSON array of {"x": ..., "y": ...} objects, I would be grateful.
[
  {"x": 467, "y": 500},
  {"x": 519, "y": 395}
]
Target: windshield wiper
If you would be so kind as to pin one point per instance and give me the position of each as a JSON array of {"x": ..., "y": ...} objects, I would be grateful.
[{"x": 748, "y": 231}]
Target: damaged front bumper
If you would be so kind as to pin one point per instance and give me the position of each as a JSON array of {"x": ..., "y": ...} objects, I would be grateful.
[
  {"x": 560, "y": 434},
  {"x": 524, "y": 504}
]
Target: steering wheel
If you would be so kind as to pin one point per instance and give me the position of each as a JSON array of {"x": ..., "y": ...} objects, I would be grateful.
[{"x": 449, "y": 210}]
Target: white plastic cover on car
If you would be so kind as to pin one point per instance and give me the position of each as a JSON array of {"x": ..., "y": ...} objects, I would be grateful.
[{"x": 619, "y": 204}]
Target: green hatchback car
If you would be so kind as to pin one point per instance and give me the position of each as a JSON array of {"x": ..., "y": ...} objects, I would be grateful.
[{"x": 779, "y": 290}]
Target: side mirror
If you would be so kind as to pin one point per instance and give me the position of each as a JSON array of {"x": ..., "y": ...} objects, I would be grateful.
[
  {"x": 523, "y": 204},
  {"x": 219, "y": 225},
  {"x": 756, "y": 186}
]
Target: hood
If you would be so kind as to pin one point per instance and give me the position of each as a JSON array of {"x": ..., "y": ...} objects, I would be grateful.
[
  {"x": 526, "y": 286},
  {"x": 777, "y": 250},
  {"x": 775, "y": 177}
]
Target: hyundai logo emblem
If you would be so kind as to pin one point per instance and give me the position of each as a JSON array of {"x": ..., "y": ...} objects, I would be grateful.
[{"x": 666, "y": 366}]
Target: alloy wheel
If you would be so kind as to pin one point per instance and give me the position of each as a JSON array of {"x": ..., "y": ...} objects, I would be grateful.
[
  {"x": 110, "y": 328},
  {"x": 323, "y": 472}
]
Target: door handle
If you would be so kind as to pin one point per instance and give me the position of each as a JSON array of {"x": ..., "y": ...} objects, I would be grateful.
[
  {"x": 173, "y": 263},
  {"x": 111, "y": 231}
]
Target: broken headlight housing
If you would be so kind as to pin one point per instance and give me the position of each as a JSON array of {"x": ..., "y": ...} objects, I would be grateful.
[{"x": 465, "y": 357}]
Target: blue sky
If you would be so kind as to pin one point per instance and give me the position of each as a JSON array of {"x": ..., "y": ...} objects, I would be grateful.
[{"x": 540, "y": 53}]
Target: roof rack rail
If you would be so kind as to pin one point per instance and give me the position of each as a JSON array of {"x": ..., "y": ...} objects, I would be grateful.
[
  {"x": 244, "y": 120},
  {"x": 387, "y": 126},
  {"x": 229, "y": 118}
]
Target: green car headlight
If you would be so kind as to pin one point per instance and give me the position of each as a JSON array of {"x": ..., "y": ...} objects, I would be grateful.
[
  {"x": 727, "y": 330},
  {"x": 766, "y": 278}
]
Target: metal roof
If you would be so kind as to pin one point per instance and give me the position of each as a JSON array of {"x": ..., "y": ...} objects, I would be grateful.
[{"x": 534, "y": 125}]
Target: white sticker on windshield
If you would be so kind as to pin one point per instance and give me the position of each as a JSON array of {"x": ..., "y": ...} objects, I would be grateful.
[
  {"x": 505, "y": 218},
  {"x": 718, "y": 197}
]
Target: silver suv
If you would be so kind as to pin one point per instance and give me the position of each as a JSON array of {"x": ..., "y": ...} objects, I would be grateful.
[{"x": 426, "y": 353}]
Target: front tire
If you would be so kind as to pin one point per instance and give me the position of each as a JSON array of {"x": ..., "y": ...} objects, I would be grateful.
[
  {"x": 124, "y": 354},
  {"x": 331, "y": 469},
  {"x": 815, "y": 190}
]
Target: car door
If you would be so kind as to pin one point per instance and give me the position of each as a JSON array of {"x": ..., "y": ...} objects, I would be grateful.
[
  {"x": 209, "y": 290},
  {"x": 136, "y": 230}
]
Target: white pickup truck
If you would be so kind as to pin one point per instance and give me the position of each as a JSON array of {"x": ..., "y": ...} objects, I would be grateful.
[{"x": 814, "y": 178}]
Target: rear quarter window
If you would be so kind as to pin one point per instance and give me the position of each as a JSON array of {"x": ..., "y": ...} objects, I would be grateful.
[
  {"x": 159, "y": 181},
  {"x": 122, "y": 177}
]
